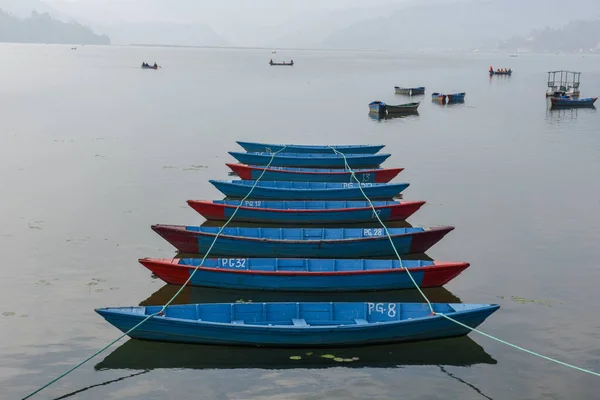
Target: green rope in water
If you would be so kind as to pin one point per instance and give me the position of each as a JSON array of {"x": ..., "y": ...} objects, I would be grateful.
[
  {"x": 450, "y": 318},
  {"x": 172, "y": 298}
]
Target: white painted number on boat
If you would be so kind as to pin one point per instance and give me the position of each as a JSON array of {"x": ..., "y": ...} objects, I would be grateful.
[
  {"x": 366, "y": 177},
  {"x": 252, "y": 203},
  {"x": 373, "y": 232},
  {"x": 268, "y": 149},
  {"x": 351, "y": 185},
  {"x": 383, "y": 308},
  {"x": 233, "y": 262},
  {"x": 375, "y": 213}
]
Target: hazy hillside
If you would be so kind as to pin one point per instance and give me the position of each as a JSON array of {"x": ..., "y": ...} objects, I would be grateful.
[
  {"x": 460, "y": 25},
  {"x": 41, "y": 28},
  {"x": 574, "y": 37},
  {"x": 164, "y": 34}
]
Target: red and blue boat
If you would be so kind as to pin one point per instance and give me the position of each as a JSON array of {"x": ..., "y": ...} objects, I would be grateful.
[
  {"x": 297, "y": 324},
  {"x": 252, "y": 147},
  {"x": 275, "y": 190},
  {"x": 305, "y": 212},
  {"x": 301, "y": 242},
  {"x": 304, "y": 275},
  {"x": 439, "y": 97},
  {"x": 251, "y": 172},
  {"x": 311, "y": 160}
]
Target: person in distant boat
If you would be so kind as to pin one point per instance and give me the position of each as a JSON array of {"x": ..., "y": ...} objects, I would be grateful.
[
  {"x": 491, "y": 69},
  {"x": 291, "y": 61},
  {"x": 155, "y": 65}
]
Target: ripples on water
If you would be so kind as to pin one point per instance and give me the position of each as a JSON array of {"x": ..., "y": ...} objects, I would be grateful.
[{"x": 94, "y": 150}]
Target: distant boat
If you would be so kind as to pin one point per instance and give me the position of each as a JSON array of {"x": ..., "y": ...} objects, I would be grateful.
[
  {"x": 148, "y": 66},
  {"x": 252, "y": 147},
  {"x": 377, "y": 107},
  {"x": 298, "y": 324},
  {"x": 407, "y": 108},
  {"x": 274, "y": 51},
  {"x": 568, "y": 102},
  {"x": 456, "y": 97},
  {"x": 500, "y": 72},
  {"x": 290, "y": 64},
  {"x": 73, "y": 48},
  {"x": 438, "y": 97},
  {"x": 514, "y": 55},
  {"x": 409, "y": 91}
]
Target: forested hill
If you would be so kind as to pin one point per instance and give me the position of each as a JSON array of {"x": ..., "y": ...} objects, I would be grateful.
[{"x": 42, "y": 28}]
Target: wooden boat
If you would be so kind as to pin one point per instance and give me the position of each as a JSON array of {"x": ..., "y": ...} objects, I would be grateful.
[
  {"x": 305, "y": 212},
  {"x": 277, "y": 190},
  {"x": 301, "y": 242},
  {"x": 438, "y": 97},
  {"x": 297, "y": 324},
  {"x": 251, "y": 147},
  {"x": 303, "y": 275},
  {"x": 568, "y": 102},
  {"x": 408, "y": 108},
  {"x": 500, "y": 72},
  {"x": 303, "y": 160},
  {"x": 409, "y": 91},
  {"x": 377, "y": 107},
  {"x": 250, "y": 172},
  {"x": 149, "y": 67},
  {"x": 456, "y": 97},
  {"x": 289, "y": 64}
]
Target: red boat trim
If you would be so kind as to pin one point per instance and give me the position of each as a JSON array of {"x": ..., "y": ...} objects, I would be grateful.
[
  {"x": 437, "y": 267},
  {"x": 197, "y": 204},
  {"x": 242, "y": 167}
]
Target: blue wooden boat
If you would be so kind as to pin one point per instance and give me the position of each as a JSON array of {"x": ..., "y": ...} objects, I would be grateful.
[
  {"x": 298, "y": 324},
  {"x": 301, "y": 242},
  {"x": 251, "y": 172},
  {"x": 305, "y": 212},
  {"x": 377, "y": 107},
  {"x": 567, "y": 102},
  {"x": 456, "y": 97},
  {"x": 310, "y": 160},
  {"x": 275, "y": 190},
  {"x": 303, "y": 275},
  {"x": 252, "y": 147},
  {"x": 412, "y": 91}
]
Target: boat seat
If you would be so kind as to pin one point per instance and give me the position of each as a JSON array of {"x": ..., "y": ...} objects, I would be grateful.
[
  {"x": 360, "y": 321},
  {"x": 238, "y": 322},
  {"x": 299, "y": 322}
]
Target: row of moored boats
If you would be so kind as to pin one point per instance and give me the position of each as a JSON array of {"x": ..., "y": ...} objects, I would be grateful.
[{"x": 306, "y": 186}]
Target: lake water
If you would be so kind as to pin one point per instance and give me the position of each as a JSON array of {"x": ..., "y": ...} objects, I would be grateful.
[{"x": 94, "y": 150}]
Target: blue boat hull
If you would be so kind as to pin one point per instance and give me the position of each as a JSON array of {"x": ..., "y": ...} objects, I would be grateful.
[
  {"x": 182, "y": 331},
  {"x": 196, "y": 240},
  {"x": 251, "y": 147},
  {"x": 310, "y": 160},
  {"x": 352, "y": 191}
]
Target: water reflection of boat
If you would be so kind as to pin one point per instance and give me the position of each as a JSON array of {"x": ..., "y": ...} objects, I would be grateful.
[
  {"x": 144, "y": 355},
  {"x": 212, "y": 295},
  {"x": 384, "y": 116}
]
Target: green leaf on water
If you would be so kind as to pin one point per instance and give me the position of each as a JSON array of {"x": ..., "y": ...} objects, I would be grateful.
[
  {"x": 328, "y": 356},
  {"x": 338, "y": 359},
  {"x": 295, "y": 358},
  {"x": 310, "y": 353}
]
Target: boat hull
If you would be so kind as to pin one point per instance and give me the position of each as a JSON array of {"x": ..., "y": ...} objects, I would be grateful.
[
  {"x": 252, "y": 147},
  {"x": 249, "y": 172},
  {"x": 231, "y": 274},
  {"x": 349, "y": 191},
  {"x": 572, "y": 103},
  {"x": 198, "y": 242},
  {"x": 256, "y": 212},
  {"x": 160, "y": 328},
  {"x": 311, "y": 160}
]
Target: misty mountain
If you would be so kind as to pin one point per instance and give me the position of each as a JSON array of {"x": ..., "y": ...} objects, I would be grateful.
[
  {"x": 459, "y": 25},
  {"x": 574, "y": 37},
  {"x": 23, "y": 8},
  {"x": 163, "y": 33},
  {"x": 42, "y": 28}
]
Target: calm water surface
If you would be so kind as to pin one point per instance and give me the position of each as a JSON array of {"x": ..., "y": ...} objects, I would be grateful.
[{"x": 93, "y": 150}]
